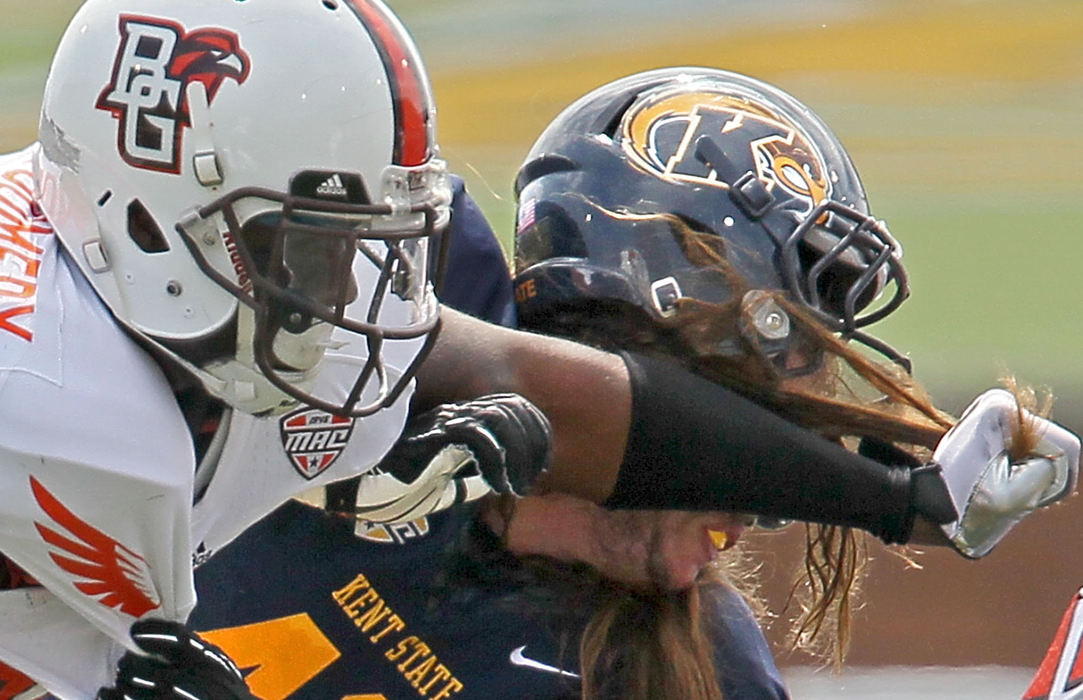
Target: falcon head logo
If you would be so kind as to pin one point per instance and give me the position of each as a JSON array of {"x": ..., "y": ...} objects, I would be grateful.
[
  {"x": 209, "y": 56},
  {"x": 155, "y": 63}
]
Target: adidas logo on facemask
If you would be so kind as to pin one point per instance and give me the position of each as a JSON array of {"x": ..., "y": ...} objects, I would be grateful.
[{"x": 332, "y": 187}]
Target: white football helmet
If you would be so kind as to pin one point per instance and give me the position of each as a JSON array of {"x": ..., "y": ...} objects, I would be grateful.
[{"x": 251, "y": 186}]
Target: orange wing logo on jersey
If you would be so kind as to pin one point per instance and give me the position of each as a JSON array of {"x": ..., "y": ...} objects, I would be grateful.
[
  {"x": 1060, "y": 675},
  {"x": 109, "y": 571},
  {"x": 13, "y": 683}
]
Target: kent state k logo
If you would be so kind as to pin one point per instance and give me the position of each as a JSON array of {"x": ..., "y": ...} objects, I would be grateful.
[
  {"x": 661, "y": 136},
  {"x": 155, "y": 63}
]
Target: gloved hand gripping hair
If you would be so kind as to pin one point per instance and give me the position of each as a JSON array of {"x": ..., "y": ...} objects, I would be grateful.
[
  {"x": 992, "y": 488},
  {"x": 176, "y": 664}
]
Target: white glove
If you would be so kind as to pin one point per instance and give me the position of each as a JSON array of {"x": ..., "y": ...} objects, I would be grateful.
[
  {"x": 990, "y": 492},
  {"x": 383, "y": 498}
]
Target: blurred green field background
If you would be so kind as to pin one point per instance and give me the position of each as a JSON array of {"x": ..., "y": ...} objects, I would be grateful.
[{"x": 965, "y": 118}]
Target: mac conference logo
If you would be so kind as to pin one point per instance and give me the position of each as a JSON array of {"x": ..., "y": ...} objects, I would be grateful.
[{"x": 313, "y": 439}]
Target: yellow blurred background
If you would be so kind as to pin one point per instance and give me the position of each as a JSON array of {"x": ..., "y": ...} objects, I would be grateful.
[{"x": 964, "y": 119}]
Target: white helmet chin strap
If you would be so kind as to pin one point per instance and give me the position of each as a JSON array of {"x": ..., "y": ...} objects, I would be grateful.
[
  {"x": 239, "y": 382},
  {"x": 304, "y": 350}
]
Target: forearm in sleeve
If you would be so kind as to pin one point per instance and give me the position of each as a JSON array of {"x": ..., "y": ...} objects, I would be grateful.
[{"x": 696, "y": 445}]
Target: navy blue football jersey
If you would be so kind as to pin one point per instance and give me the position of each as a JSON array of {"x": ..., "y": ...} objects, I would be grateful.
[
  {"x": 475, "y": 278},
  {"x": 311, "y": 609},
  {"x": 314, "y": 606}
]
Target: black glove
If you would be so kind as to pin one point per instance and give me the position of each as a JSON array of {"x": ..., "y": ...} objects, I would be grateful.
[
  {"x": 178, "y": 665},
  {"x": 510, "y": 439},
  {"x": 454, "y": 453},
  {"x": 929, "y": 495}
]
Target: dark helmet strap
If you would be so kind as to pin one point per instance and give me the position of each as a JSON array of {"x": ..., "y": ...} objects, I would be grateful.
[{"x": 746, "y": 190}]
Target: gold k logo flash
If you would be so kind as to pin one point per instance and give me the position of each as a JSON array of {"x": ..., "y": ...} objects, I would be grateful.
[{"x": 661, "y": 136}]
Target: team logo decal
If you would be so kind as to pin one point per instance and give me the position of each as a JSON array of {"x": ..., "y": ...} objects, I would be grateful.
[
  {"x": 314, "y": 439},
  {"x": 156, "y": 62},
  {"x": 392, "y": 533},
  {"x": 661, "y": 135},
  {"x": 106, "y": 570}
]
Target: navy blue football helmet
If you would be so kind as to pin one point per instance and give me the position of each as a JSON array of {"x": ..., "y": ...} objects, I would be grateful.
[{"x": 714, "y": 152}]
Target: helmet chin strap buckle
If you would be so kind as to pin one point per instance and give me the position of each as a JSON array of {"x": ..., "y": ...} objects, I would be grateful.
[
  {"x": 205, "y": 160},
  {"x": 206, "y": 169},
  {"x": 769, "y": 320},
  {"x": 664, "y": 295},
  {"x": 747, "y": 191},
  {"x": 751, "y": 195}
]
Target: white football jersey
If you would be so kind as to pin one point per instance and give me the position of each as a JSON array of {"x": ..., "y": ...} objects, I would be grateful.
[{"x": 97, "y": 464}]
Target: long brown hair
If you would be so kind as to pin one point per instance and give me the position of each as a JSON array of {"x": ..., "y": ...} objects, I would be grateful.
[
  {"x": 855, "y": 396},
  {"x": 851, "y": 396},
  {"x": 638, "y": 643},
  {"x": 648, "y": 645}
]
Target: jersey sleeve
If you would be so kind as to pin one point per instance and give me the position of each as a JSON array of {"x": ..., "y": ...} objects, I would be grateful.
[{"x": 475, "y": 278}]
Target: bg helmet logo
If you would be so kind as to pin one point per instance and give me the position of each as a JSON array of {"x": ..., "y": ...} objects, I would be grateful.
[
  {"x": 155, "y": 63},
  {"x": 661, "y": 134}
]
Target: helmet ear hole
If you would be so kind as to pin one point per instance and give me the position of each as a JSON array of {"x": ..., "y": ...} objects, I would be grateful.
[
  {"x": 144, "y": 230},
  {"x": 545, "y": 165}
]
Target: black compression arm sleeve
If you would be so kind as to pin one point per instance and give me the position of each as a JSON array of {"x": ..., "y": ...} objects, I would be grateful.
[{"x": 695, "y": 445}]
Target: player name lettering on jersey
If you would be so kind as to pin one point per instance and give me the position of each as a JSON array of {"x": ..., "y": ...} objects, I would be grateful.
[
  {"x": 20, "y": 256},
  {"x": 413, "y": 658}
]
